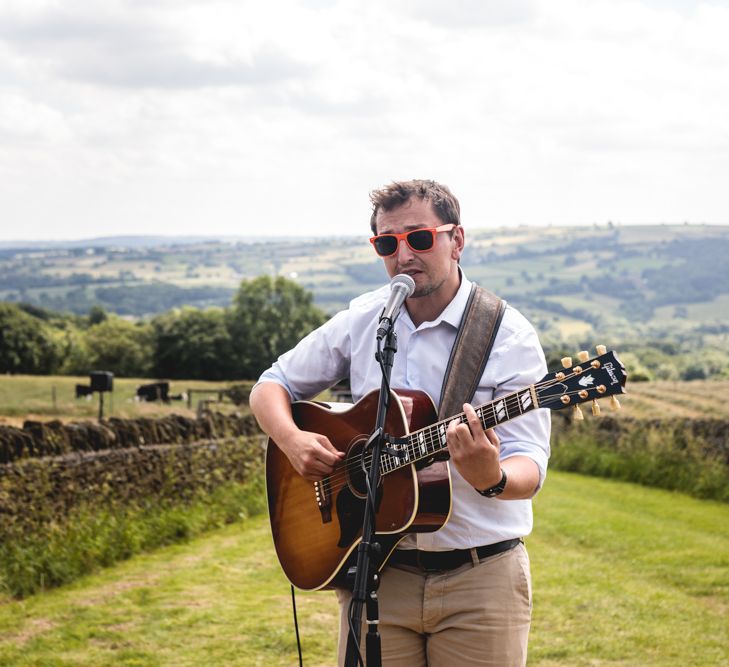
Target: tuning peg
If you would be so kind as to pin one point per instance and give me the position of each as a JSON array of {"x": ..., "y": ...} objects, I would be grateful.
[
  {"x": 583, "y": 356},
  {"x": 600, "y": 349},
  {"x": 566, "y": 362},
  {"x": 577, "y": 414},
  {"x": 595, "y": 408},
  {"x": 614, "y": 403}
]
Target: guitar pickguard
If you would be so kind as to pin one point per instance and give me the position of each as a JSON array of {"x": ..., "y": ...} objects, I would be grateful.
[{"x": 350, "y": 513}]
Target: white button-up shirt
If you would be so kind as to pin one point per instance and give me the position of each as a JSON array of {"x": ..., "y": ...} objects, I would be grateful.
[{"x": 345, "y": 347}]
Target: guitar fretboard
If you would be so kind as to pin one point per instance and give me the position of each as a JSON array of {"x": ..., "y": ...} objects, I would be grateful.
[{"x": 431, "y": 440}]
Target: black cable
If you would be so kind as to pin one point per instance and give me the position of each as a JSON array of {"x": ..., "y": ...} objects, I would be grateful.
[
  {"x": 360, "y": 661},
  {"x": 296, "y": 626}
]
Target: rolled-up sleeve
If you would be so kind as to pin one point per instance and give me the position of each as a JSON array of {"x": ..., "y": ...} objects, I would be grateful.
[
  {"x": 317, "y": 362},
  {"x": 515, "y": 364}
]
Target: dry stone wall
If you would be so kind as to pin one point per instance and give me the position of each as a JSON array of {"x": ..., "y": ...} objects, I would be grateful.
[
  {"x": 51, "y": 469},
  {"x": 40, "y": 439}
]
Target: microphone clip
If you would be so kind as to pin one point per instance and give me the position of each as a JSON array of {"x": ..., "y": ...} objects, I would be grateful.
[{"x": 385, "y": 326}]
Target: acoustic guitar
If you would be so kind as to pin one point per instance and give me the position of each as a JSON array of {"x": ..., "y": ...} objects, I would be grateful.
[{"x": 316, "y": 526}]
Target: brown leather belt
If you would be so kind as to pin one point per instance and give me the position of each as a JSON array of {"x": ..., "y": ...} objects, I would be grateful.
[{"x": 441, "y": 561}]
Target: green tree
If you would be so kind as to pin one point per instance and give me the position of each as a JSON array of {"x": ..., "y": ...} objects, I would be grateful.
[
  {"x": 27, "y": 343},
  {"x": 75, "y": 352},
  {"x": 121, "y": 347},
  {"x": 192, "y": 344},
  {"x": 269, "y": 316},
  {"x": 97, "y": 314}
]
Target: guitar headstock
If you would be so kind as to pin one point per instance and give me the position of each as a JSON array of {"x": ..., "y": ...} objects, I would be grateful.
[{"x": 588, "y": 380}]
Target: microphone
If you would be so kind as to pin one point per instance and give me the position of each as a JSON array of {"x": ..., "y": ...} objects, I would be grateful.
[{"x": 401, "y": 287}]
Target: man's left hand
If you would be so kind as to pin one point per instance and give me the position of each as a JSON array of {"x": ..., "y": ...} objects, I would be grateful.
[{"x": 474, "y": 452}]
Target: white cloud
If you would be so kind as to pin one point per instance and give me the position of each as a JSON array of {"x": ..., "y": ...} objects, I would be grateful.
[
  {"x": 141, "y": 49},
  {"x": 464, "y": 14},
  {"x": 171, "y": 117}
]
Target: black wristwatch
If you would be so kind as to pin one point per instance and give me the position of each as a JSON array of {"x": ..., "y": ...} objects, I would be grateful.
[{"x": 496, "y": 489}]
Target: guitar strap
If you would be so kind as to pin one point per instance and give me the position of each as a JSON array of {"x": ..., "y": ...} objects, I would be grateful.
[{"x": 471, "y": 350}]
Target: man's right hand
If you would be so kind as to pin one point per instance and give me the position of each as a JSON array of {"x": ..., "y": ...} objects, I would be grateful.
[{"x": 311, "y": 454}]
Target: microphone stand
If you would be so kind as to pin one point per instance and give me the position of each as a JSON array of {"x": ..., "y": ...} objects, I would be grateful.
[{"x": 366, "y": 578}]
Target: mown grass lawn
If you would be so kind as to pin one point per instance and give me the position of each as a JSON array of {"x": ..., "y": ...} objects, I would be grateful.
[{"x": 623, "y": 575}]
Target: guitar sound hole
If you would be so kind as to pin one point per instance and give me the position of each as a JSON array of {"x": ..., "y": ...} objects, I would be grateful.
[{"x": 355, "y": 475}]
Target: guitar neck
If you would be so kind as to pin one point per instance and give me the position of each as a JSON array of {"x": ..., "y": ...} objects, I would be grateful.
[{"x": 427, "y": 442}]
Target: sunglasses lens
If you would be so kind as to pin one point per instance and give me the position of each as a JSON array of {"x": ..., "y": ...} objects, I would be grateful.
[
  {"x": 385, "y": 245},
  {"x": 420, "y": 240}
]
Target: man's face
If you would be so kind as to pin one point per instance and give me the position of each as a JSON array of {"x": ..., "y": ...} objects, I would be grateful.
[{"x": 430, "y": 270}]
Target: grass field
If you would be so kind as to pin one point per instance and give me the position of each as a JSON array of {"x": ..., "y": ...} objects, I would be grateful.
[
  {"x": 52, "y": 397},
  {"x": 657, "y": 400},
  {"x": 623, "y": 576},
  {"x": 32, "y": 397}
]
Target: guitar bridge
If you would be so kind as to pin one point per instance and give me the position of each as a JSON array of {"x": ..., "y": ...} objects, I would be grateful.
[{"x": 323, "y": 493}]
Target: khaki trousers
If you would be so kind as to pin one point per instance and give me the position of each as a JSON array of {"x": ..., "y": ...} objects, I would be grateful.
[{"x": 477, "y": 614}]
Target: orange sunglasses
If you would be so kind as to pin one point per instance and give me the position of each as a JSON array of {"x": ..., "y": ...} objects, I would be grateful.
[{"x": 418, "y": 240}]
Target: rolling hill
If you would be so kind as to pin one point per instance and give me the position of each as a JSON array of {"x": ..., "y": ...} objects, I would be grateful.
[{"x": 655, "y": 281}]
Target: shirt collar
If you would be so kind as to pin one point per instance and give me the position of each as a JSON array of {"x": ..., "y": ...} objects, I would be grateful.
[{"x": 453, "y": 313}]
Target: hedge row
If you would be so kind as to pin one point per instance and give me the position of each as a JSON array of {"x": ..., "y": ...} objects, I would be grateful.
[
  {"x": 688, "y": 455},
  {"x": 39, "y": 439}
]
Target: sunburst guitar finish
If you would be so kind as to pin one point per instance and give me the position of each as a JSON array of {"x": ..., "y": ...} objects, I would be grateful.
[{"x": 317, "y": 527}]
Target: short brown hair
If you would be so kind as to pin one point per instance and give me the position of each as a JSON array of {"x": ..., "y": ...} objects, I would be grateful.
[{"x": 396, "y": 194}]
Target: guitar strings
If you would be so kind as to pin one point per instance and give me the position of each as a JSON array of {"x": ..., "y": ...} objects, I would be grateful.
[
  {"x": 334, "y": 483},
  {"x": 430, "y": 432},
  {"x": 338, "y": 479},
  {"x": 431, "y": 438}
]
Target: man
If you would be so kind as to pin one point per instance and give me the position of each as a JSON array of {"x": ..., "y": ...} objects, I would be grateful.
[{"x": 471, "y": 605}]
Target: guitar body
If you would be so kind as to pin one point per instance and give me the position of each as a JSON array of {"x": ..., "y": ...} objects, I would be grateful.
[{"x": 317, "y": 527}]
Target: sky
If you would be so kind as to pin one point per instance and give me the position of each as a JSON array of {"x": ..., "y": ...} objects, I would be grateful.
[{"x": 238, "y": 118}]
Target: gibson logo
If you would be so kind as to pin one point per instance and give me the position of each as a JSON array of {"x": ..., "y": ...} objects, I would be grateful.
[{"x": 611, "y": 372}]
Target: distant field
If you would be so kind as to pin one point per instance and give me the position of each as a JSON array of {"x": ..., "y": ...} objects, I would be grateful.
[
  {"x": 695, "y": 399},
  {"x": 710, "y": 311},
  {"x": 32, "y": 396},
  {"x": 530, "y": 266}
]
